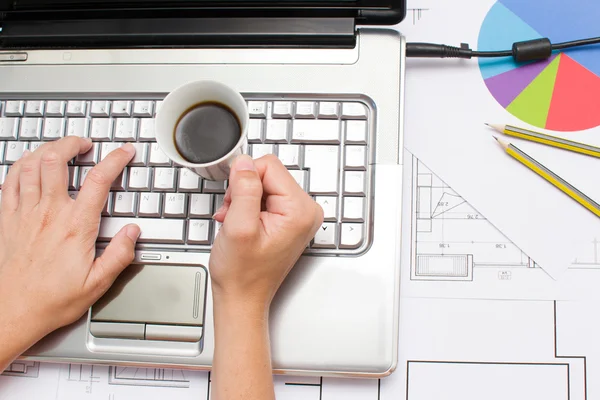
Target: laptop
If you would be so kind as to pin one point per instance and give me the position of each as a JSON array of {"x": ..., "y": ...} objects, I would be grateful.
[{"x": 324, "y": 82}]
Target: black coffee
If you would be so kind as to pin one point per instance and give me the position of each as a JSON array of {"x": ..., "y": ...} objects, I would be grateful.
[{"x": 206, "y": 132}]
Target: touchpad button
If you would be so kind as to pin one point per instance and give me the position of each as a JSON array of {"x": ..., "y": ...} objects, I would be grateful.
[{"x": 155, "y": 294}]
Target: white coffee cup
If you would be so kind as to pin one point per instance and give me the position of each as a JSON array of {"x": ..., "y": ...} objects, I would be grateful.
[{"x": 181, "y": 100}]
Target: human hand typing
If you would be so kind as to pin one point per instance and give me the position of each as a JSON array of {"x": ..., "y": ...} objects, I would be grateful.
[
  {"x": 268, "y": 221},
  {"x": 49, "y": 275}
]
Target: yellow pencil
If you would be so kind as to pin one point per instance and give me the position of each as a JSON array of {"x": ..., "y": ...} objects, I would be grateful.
[
  {"x": 547, "y": 140},
  {"x": 551, "y": 177}
]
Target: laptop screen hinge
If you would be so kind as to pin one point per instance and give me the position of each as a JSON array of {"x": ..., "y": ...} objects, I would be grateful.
[{"x": 179, "y": 32}]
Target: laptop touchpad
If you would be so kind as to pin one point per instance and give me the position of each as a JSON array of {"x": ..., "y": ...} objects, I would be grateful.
[{"x": 153, "y": 302}]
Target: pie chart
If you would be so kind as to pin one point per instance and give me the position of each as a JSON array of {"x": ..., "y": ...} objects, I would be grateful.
[{"x": 561, "y": 93}]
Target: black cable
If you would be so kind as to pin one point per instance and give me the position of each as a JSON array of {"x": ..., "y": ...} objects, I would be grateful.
[{"x": 530, "y": 50}]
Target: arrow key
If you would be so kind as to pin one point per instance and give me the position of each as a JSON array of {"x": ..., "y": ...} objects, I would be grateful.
[
  {"x": 326, "y": 237},
  {"x": 352, "y": 236},
  {"x": 329, "y": 206}
]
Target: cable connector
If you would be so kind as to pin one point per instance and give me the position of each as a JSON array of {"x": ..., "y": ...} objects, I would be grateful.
[{"x": 432, "y": 50}]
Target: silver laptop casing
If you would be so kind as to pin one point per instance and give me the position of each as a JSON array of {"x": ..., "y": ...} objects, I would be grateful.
[{"x": 334, "y": 315}]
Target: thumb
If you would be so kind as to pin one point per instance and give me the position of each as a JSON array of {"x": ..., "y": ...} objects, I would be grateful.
[
  {"x": 119, "y": 253},
  {"x": 246, "y": 193}
]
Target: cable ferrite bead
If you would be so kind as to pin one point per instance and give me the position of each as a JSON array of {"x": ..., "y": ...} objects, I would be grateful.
[{"x": 532, "y": 50}]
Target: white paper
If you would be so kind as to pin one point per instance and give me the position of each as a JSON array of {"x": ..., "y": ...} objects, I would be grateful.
[
  {"x": 452, "y": 251},
  {"x": 447, "y": 104}
]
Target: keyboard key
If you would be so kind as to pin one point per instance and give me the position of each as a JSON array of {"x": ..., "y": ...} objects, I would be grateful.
[
  {"x": 55, "y": 108},
  {"x": 283, "y": 109},
  {"x": 126, "y": 129},
  {"x": 139, "y": 178},
  {"x": 100, "y": 108},
  {"x": 9, "y": 128},
  {"x": 14, "y": 108},
  {"x": 54, "y": 128},
  {"x": 257, "y": 109},
  {"x": 121, "y": 109},
  {"x": 152, "y": 230},
  {"x": 198, "y": 231},
  {"x": 76, "y": 108},
  {"x": 73, "y": 178},
  {"x": 306, "y": 109},
  {"x": 33, "y": 146},
  {"x": 219, "y": 201},
  {"x": 201, "y": 205},
  {"x": 89, "y": 158},
  {"x": 2, "y": 147},
  {"x": 277, "y": 130},
  {"x": 329, "y": 206},
  {"x": 354, "y": 183},
  {"x": 259, "y": 150},
  {"x": 107, "y": 148},
  {"x": 158, "y": 157},
  {"x": 354, "y": 111},
  {"x": 189, "y": 181},
  {"x": 354, "y": 209},
  {"x": 164, "y": 179},
  {"x": 157, "y": 108},
  {"x": 3, "y": 173},
  {"x": 77, "y": 127},
  {"x": 147, "y": 130},
  {"x": 143, "y": 108},
  {"x": 255, "y": 130},
  {"x": 300, "y": 177},
  {"x": 214, "y": 186},
  {"x": 83, "y": 171},
  {"x": 325, "y": 238},
  {"x": 34, "y": 108},
  {"x": 290, "y": 155},
  {"x": 119, "y": 182},
  {"x": 141, "y": 155},
  {"x": 101, "y": 129},
  {"x": 216, "y": 229},
  {"x": 323, "y": 164},
  {"x": 175, "y": 205},
  {"x": 125, "y": 204},
  {"x": 108, "y": 206},
  {"x": 351, "y": 236},
  {"x": 30, "y": 129},
  {"x": 316, "y": 131},
  {"x": 356, "y": 158},
  {"x": 356, "y": 132},
  {"x": 14, "y": 151},
  {"x": 329, "y": 110},
  {"x": 149, "y": 205}
]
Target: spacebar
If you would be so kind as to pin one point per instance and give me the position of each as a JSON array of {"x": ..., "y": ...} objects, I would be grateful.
[{"x": 153, "y": 230}]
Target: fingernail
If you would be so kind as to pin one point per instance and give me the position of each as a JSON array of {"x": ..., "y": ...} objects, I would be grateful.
[
  {"x": 87, "y": 140},
  {"x": 244, "y": 163},
  {"x": 133, "y": 232},
  {"x": 219, "y": 211},
  {"x": 128, "y": 147},
  {"x": 26, "y": 153}
]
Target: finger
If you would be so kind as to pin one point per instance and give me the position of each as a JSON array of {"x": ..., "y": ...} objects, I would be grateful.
[
  {"x": 116, "y": 257},
  {"x": 94, "y": 192},
  {"x": 55, "y": 172},
  {"x": 221, "y": 212},
  {"x": 10, "y": 188},
  {"x": 276, "y": 179},
  {"x": 246, "y": 189},
  {"x": 30, "y": 187}
]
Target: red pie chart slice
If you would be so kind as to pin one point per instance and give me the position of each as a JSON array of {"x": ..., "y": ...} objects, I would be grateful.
[{"x": 575, "y": 102}]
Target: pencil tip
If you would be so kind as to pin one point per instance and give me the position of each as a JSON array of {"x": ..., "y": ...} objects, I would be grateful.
[
  {"x": 496, "y": 137},
  {"x": 487, "y": 124},
  {"x": 496, "y": 127}
]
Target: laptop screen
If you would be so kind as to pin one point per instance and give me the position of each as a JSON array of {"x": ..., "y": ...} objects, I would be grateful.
[{"x": 365, "y": 11}]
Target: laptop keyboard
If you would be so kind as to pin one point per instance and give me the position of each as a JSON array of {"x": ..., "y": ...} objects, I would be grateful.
[{"x": 325, "y": 144}]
